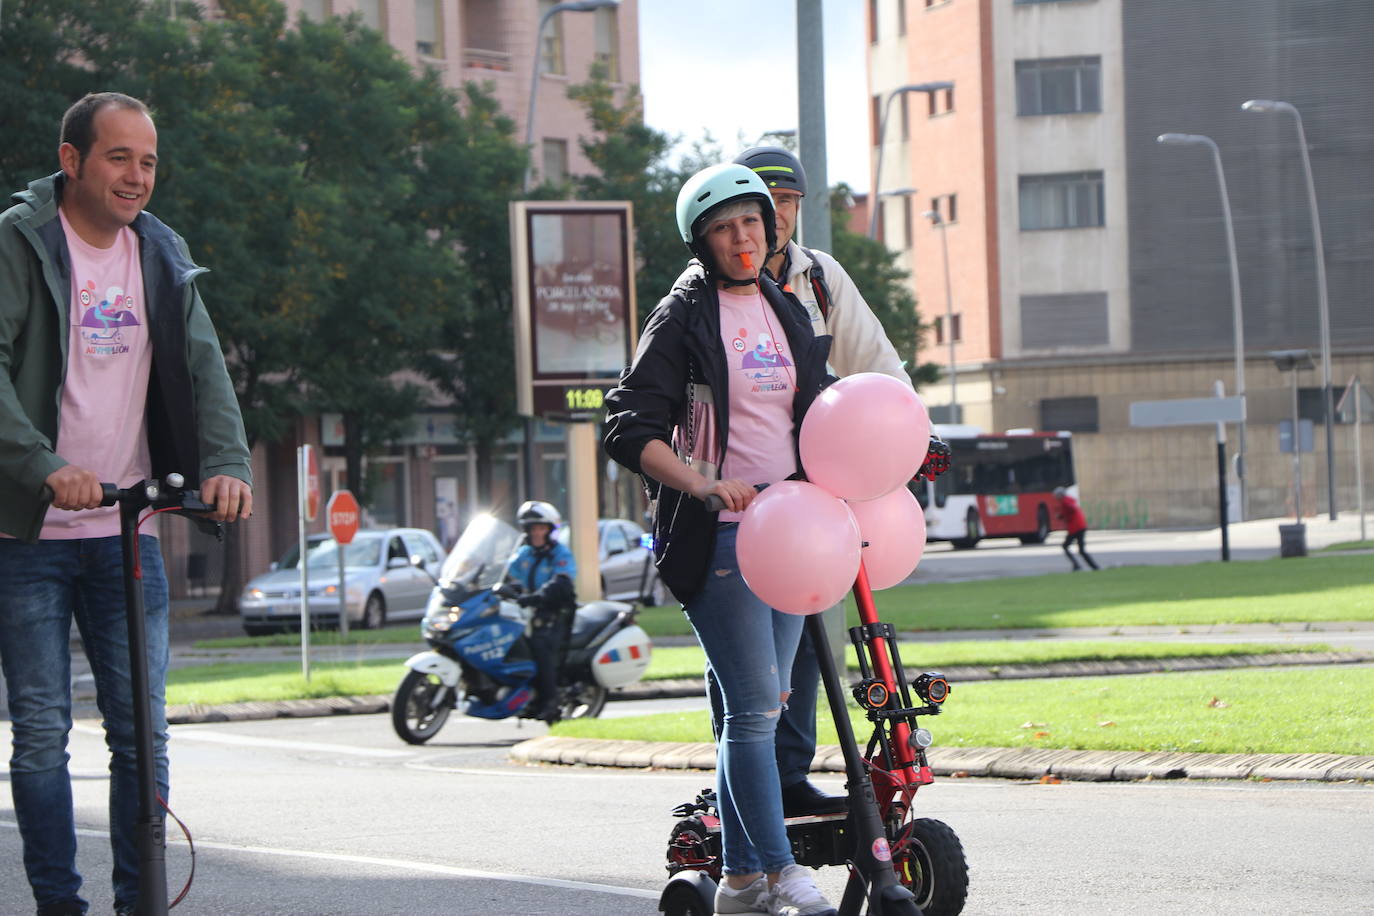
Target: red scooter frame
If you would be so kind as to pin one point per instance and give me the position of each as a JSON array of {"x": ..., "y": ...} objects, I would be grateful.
[{"x": 899, "y": 865}]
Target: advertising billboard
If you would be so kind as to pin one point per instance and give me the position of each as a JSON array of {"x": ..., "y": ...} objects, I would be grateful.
[{"x": 575, "y": 317}]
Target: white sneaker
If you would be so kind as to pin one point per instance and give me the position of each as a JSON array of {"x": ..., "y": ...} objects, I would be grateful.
[
  {"x": 796, "y": 894},
  {"x": 751, "y": 899}
]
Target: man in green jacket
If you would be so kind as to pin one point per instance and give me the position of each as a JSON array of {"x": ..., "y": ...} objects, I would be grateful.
[{"x": 110, "y": 370}]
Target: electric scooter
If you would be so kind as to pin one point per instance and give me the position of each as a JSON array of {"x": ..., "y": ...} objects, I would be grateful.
[
  {"x": 169, "y": 495},
  {"x": 899, "y": 864}
]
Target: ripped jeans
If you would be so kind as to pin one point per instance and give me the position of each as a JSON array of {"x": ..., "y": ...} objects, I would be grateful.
[{"x": 749, "y": 646}]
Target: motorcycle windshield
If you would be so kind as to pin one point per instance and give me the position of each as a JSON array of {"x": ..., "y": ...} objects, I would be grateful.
[{"x": 479, "y": 558}]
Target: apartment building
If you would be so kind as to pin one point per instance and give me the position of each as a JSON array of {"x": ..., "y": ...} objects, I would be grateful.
[{"x": 1088, "y": 263}]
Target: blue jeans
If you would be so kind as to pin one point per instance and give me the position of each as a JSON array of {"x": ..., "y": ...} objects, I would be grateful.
[
  {"x": 42, "y": 586},
  {"x": 796, "y": 738},
  {"x": 749, "y": 646}
]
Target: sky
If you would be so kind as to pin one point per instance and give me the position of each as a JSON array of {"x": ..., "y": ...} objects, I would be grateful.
[{"x": 730, "y": 67}]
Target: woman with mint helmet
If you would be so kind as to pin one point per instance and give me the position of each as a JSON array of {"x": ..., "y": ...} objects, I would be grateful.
[{"x": 726, "y": 368}]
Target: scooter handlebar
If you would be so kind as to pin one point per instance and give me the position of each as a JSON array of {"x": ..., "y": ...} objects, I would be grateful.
[{"x": 715, "y": 504}]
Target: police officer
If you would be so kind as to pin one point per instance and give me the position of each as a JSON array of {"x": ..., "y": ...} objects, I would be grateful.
[{"x": 544, "y": 570}]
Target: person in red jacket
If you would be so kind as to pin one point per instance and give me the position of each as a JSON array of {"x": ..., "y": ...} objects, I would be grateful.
[{"x": 1076, "y": 525}]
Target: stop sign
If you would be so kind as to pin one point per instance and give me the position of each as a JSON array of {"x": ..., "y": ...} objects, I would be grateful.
[{"x": 343, "y": 516}]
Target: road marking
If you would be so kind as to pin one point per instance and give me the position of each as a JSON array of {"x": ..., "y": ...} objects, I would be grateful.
[
  {"x": 401, "y": 864},
  {"x": 196, "y": 733}
]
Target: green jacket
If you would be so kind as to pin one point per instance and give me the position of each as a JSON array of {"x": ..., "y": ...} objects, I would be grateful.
[{"x": 194, "y": 424}]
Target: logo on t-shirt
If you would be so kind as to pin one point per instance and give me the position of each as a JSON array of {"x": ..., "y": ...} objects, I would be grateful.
[
  {"x": 102, "y": 322},
  {"x": 763, "y": 363}
]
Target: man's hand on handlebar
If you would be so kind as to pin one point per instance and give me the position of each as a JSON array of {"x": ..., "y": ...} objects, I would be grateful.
[
  {"x": 231, "y": 497},
  {"x": 736, "y": 495},
  {"x": 74, "y": 488}
]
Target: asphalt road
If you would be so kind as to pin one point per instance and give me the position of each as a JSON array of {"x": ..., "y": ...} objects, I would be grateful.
[{"x": 337, "y": 816}]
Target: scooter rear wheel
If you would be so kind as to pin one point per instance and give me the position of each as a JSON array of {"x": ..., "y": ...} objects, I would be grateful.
[
  {"x": 420, "y": 707},
  {"x": 930, "y": 862}
]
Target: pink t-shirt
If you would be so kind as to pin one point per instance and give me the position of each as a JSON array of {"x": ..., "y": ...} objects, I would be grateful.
[
  {"x": 763, "y": 381},
  {"x": 103, "y": 427}
]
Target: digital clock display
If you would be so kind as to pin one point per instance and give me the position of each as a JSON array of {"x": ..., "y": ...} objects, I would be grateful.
[{"x": 584, "y": 398}]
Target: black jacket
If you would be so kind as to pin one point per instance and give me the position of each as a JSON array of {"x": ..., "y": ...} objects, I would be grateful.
[{"x": 681, "y": 345}]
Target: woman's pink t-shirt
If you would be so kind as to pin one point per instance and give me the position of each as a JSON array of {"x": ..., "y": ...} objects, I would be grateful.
[{"x": 763, "y": 380}]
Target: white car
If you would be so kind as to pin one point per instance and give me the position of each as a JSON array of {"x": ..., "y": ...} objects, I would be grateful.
[
  {"x": 387, "y": 577},
  {"x": 627, "y": 563}
]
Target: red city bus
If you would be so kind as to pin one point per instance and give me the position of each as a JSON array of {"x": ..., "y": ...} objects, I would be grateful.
[{"x": 997, "y": 486}]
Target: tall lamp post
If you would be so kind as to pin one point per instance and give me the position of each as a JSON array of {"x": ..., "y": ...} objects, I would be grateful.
[
  {"x": 1236, "y": 313},
  {"x": 882, "y": 135},
  {"x": 1269, "y": 106},
  {"x": 938, "y": 222},
  {"x": 573, "y": 6}
]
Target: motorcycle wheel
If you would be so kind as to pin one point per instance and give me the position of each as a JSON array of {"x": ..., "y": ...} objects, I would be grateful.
[
  {"x": 587, "y": 703},
  {"x": 930, "y": 862},
  {"x": 420, "y": 707}
]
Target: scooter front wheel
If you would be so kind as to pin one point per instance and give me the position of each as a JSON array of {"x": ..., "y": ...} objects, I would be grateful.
[
  {"x": 930, "y": 862},
  {"x": 587, "y": 703},
  {"x": 420, "y": 707}
]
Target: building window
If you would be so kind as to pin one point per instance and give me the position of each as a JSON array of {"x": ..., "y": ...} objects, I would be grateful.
[
  {"x": 876, "y": 118},
  {"x": 906, "y": 116},
  {"x": 1030, "y": 2},
  {"x": 372, "y": 14},
  {"x": 555, "y": 161},
  {"x": 1061, "y": 85},
  {"x": 1072, "y": 200},
  {"x": 1056, "y": 320},
  {"x": 873, "y": 22},
  {"x": 1075, "y": 415},
  {"x": 938, "y": 103},
  {"x": 551, "y": 51},
  {"x": 429, "y": 29},
  {"x": 316, "y": 10},
  {"x": 608, "y": 41},
  {"x": 901, "y": 17},
  {"x": 907, "y": 220},
  {"x": 956, "y": 327},
  {"x": 947, "y": 205}
]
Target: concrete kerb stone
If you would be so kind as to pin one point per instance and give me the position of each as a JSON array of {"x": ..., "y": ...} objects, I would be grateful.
[{"x": 1007, "y": 763}]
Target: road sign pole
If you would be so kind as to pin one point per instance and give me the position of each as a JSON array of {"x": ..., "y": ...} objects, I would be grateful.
[
  {"x": 302, "y": 463},
  {"x": 343, "y": 599}
]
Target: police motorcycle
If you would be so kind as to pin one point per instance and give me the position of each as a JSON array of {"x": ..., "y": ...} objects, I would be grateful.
[{"x": 479, "y": 661}]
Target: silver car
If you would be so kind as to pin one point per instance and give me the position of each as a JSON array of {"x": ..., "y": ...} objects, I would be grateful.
[
  {"x": 626, "y": 562},
  {"x": 386, "y": 577}
]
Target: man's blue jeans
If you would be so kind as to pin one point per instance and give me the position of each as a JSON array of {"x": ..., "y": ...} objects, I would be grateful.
[
  {"x": 42, "y": 587},
  {"x": 749, "y": 646}
]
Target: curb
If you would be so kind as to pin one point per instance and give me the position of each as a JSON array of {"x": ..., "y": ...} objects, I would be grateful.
[
  {"x": 958, "y": 762},
  {"x": 690, "y": 687}
]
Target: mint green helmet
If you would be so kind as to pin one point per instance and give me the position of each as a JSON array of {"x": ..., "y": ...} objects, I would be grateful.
[{"x": 711, "y": 187}]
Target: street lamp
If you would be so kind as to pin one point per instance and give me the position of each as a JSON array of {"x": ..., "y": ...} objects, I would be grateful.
[
  {"x": 882, "y": 133},
  {"x": 938, "y": 222},
  {"x": 1269, "y": 106},
  {"x": 1236, "y": 320},
  {"x": 574, "y": 6}
]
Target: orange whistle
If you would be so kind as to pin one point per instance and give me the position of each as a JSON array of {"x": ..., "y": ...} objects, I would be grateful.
[{"x": 748, "y": 261}]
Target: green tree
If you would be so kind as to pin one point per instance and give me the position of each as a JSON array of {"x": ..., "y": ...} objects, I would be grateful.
[{"x": 884, "y": 286}]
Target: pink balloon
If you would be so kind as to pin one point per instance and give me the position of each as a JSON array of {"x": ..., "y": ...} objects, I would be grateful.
[
  {"x": 798, "y": 547},
  {"x": 864, "y": 436},
  {"x": 893, "y": 528}
]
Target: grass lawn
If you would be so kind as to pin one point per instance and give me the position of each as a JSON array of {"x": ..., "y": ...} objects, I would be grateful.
[
  {"x": 236, "y": 682},
  {"x": 689, "y": 661},
  {"x": 264, "y": 681},
  {"x": 1237, "y": 711},
  {"x": 1347, "y": 545},
  {"x": 410, "y": 633},
  {"x": 1265, "y": 591}
]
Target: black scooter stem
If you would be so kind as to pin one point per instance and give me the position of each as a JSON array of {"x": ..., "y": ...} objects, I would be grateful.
[
  {"x": 150, "y": 827},
  {"x": 871, "y": 875}
]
